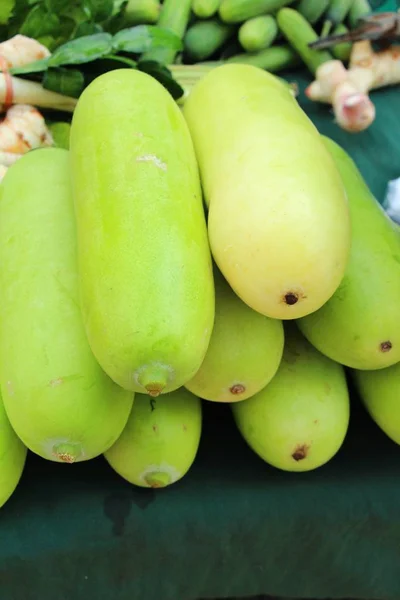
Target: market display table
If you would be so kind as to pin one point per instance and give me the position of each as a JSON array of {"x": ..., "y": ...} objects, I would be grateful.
[{"x": 233, "y": 526}]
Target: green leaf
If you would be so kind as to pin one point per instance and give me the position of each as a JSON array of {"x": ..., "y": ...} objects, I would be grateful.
[
  {"x": 145, "y": 37},
  {"x": 34, "y": 67},
  {"x": 47, "y": 40},
  {"x": 87, "y": 28},
  {"x": 163, "y": 75},
  {"x": 69, "y": 82},
  {"x": 77, "y": 13},
  {"x": 106, "y": 64},
  {"x": 82, "y": 50},
  {"x": 6, "y": 9},
  {"x": 120, "y": 62},
  {"x": 55, "y": 6},
  {"x": 100, "y": 10},
  {"x": 39, "y": 22}
]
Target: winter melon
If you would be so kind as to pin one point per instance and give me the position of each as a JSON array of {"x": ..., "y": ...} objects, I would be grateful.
[
  {"x": 12, "y": 457},
  {"x": 299, "y": 421},
  {"x": 160, "y": 440},
  {"x": 145, "y": 266},
  {"x": 59, "y": 401}
]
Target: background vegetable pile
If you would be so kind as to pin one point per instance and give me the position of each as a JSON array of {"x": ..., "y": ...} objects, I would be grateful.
[
  {"x": 165, "y": 39},
  {"x": 217, "y": 249}
]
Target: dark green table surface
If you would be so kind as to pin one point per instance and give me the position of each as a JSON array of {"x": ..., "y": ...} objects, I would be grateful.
[{"x": 233, "y": 526}]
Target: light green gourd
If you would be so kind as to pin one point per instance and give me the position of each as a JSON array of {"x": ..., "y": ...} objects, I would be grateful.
[
  {"x": 146, "y": 275},
  {"x": 160, "y": 441},
  {"x": 299, "y": 421},
  {"x": 59, "y": 401},
  {"x": 359, "y": 326}
]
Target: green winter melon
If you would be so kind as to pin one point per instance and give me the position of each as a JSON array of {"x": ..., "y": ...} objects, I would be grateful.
[
  {"x": 244, "y": 352},
  {"x": 160, "y": 440},
  {"x": 299, "y": 421},
  {"x": 146, "y": 276},
  {"x": 59, "y": 401},
  {"x": 12, "y": 457}
]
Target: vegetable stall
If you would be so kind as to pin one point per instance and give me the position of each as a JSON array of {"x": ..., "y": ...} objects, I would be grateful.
[{"x": 200, "y": 342}]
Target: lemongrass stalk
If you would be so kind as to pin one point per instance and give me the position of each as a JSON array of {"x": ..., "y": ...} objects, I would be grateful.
[{"x": 30, "y": 92}]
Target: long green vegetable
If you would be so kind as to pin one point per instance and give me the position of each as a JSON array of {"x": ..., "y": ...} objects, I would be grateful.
[
  {"x": 312, "y": 10},
  {"x": 258, "y": 33},
  {"x": 272, "y": 59},
  {"x": 138, "y": 12},
  {"x": 204, "y": 38},
  {"x": 236, "y": 11},
  {"x": 299, "y": 33},
  {"x": 205, "y": 8},
  {"x": 336, "y": 14},
  {"x": 174, "y": 17}
]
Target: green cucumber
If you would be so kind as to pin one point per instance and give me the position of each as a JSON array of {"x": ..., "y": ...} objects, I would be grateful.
[
  {"x": 12, "y": 457},
  {"x": 341, "y": 51},
  {"x": 272, "y": 59},
  {"x": 205, "y": 8},
  {"x": 258, "y": 33},
  {"x": 299, "y": 33},
  {"x": 205, "y": 37},
  {"x": 139, "y": 12},
  {"x": 174, "y": 16},
  {"x": 146, "y": 274},
  {"x": 160, "y": 441},
  {"x": 236, "y": 11},
  {"x": 335, "y": 15},
  {"x": 312, "y": 10},
  {"x": 358, "y": 10},
  {"x": 59, "y": 401},
  {"x": 338, "y": 10}
]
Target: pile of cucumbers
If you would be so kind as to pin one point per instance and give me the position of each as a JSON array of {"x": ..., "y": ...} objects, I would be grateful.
[
  {"x": 170, "y": 258},
  {"x": 271, "y": 34}
]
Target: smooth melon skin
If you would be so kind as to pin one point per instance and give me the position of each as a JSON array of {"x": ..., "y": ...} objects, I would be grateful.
[
  {"x": 380, "y": 393},
  {"x": 360, "y": 326},
  {"x": 278, "y": 217},
  {"x": 160, "y": 441},
  {"x": 59, "y": 401},
  {"x": 299, "y": 421},
  {"x": 244, "y": 352},
  {"x": 145, "y": 263},
  {"x": 12, "y": 457}
]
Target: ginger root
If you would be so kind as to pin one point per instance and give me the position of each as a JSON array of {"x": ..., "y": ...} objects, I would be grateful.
[
  {"x": 22, "y": 129},
  {"x": 347, "y": 89}
]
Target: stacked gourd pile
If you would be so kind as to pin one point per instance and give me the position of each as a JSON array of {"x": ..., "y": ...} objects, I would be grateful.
[
  {"x": 125, "y": 300},
  {"x": 264, "y": 32}
]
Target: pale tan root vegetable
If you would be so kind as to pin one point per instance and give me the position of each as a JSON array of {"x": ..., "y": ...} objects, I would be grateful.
[
  {"x": 347, "y": 89},
  {"x": 22, "y": 129},
  {"x": 21, "y": 50}
]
